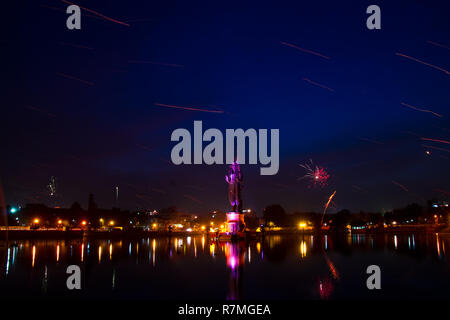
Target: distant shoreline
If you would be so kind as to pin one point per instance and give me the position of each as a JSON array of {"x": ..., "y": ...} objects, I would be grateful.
[{"x": 80, "y": 234}]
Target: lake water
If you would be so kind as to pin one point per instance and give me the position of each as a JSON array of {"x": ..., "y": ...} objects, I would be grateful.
[{"x": 276, "y": 267}]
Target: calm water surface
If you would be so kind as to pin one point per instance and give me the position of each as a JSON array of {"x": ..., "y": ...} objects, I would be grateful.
[{"x": 278, "y": 267}]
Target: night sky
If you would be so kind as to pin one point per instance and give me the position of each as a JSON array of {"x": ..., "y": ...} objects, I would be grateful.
[{"x": 80, "y": 104}]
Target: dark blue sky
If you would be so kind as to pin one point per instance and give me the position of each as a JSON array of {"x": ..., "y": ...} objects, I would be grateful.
[{"x": 107, "y": 131}]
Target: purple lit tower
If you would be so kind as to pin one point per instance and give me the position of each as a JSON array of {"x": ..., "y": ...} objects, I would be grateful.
[{"x": 235, "y": 218}]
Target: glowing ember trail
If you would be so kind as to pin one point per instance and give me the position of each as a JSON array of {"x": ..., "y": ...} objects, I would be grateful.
[
  {"x": 436, "y": 140},
  {"x": 192, "y": 198},
  {"x": 369, "y": 140},
  {"x": 75, "y": 45},
  {"x": 304, "y": 50},
  {"x": 442, "y": 191},
  {"x": 99, "y": 14},
  {"x": 42, "y": 111},
  {"x": 326, "y": 206},
  {"x": 186, "y": 108},
  {"x": 73, "y": 78},
  {"x": 318, "y": 84},
  {"x": 61, "y": 10},
  {"x": 157, "y": 63},
  {"x": 438, "y": 44},
  {"x": 318, "y": 175},
  {"x": 436, "y": 148},
  {"x": 422, "y": 62},
  {"x": 400, "y": 185},
  {"x": 422, "y": 110}
]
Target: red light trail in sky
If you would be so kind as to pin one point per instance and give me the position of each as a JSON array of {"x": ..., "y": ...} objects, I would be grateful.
[
  {"x": 74, "y": 78},
  {"x": 187, "y": 108},
  {"x": 75, "y": 45},
  {"x": 422, "y": 110},
  {"x": 400, "y": 185},
  {"x": 423, "y": 62},
  {"x": 192, "y": 198},
  {"x": 326, "y": 206},
  {"x": 318, "y": 84},
  {"x": 438, "y": 44},
  {"x": 157, "y": 63},
  {"x": 99, "y": 14},
  {"x": 304, "y": 50},
  {"x": 436, "y": 140}
]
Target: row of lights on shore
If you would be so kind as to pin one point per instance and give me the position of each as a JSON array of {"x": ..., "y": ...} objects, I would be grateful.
[{"x": 83, "y": 223}]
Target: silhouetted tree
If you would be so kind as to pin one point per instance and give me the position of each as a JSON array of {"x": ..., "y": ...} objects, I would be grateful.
[
  {"x": 168, "y": 211},
  {"x": 276, "y": 214},
  {"x": 251, "y": 220},
  {"x": 342, "y": 219},
  {"x": 76, "y": 207}
]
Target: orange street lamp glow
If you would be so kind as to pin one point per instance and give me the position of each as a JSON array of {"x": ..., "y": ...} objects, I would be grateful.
[
  {"x": 203, "y": 227},
  {"x": 111, "y": 223},
  {"x": 36, "y": 221},
  {"x": 59, "y": 221},
  {"x": 83, "y": 223}
]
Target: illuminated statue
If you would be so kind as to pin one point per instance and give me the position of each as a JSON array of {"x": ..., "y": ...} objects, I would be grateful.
[{"x": 235, "y": 180}]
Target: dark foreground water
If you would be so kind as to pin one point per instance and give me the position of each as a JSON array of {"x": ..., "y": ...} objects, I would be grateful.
[{"x": 413, "y": 266}]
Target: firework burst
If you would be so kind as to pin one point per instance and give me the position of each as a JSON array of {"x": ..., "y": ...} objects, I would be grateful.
[{"x": 318, "y": 175}]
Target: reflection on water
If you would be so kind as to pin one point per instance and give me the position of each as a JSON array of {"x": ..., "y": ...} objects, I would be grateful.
[
  {"x": 235, "y": 253},
  {"x": 275, "y": 267}
]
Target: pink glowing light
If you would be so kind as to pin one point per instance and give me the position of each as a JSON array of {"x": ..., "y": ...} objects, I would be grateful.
[
  {"x": 232, "y": 217},
  {"x": 325, "y": 288},
  {"x": 232, "y": 262}
]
